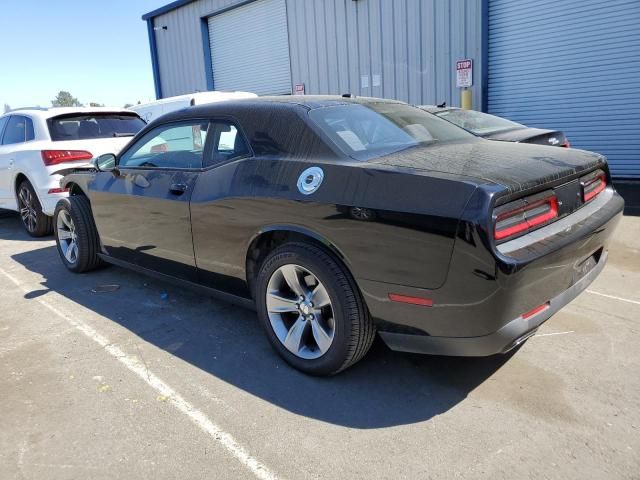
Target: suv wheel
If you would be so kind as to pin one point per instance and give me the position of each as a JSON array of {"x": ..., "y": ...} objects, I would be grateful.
[
  {"x": 34, "y": 220},
  {"x": 312, "y": 310},
  {"x": 76, "y": 235}
]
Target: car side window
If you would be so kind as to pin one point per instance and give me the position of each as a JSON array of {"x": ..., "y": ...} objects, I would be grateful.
[
  {"x": 228, "y": 143},
  {"x": 3, "y": 122},
  {"x": 169, "y": 146},
  {"x": 30, "y": 135},
  {"x": 16, "y": 130}
]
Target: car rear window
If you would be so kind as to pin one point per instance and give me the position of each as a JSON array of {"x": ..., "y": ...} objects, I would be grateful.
[
  {"x": 366, "y": 131},
  {"x": 94, "y": 125},
  {"x": 478, "y": 122}
]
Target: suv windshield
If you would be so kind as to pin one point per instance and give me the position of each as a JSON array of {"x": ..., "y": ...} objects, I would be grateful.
[
  {"x": 366, "y": 131},
  {"x": 94, "y": 125},
  {"x": 478, "y": 122}
]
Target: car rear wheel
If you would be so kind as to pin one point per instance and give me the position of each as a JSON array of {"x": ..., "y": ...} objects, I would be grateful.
[
  {"x": 37, "y": 223},
  {"x": 76, "y": 235},
  {"x": 312, "y": 310}
]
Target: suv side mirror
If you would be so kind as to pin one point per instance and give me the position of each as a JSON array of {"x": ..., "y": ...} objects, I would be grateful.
[{"x": 105, "y": 163}]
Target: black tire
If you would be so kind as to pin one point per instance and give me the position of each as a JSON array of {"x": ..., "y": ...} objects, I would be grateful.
[
  {"x": 86, "y": 234},
  {"x": 354, "y": 330},
  {"x": 34, "y": 220}
]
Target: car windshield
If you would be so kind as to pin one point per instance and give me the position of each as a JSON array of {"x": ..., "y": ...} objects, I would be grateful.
[
  {"x": 94, "y": 125},
  {"x": 478, "y": 122},
  {"x": 366, "y": 131}
]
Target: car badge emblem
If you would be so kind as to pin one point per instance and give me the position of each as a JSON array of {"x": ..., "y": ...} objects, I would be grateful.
[{"x": 310, "y": 180}]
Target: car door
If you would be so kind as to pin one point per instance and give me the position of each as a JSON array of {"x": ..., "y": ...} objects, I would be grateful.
[
  {"x": 142, "y": 208},
  {"x": 216, "y": 223}
]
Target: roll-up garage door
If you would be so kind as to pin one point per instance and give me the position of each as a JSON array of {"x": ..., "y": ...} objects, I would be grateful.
[
  {"x": 250, "y": 48},
  {"x": 571, "y": 65}
]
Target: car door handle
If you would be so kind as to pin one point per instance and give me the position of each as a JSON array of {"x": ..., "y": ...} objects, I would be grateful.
[{"x": 178, "y": 188}]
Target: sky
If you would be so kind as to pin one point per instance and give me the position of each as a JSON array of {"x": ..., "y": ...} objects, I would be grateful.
[{"x": 98, "y": 50}]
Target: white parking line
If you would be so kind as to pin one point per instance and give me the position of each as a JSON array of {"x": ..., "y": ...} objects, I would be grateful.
[
  {"x": 141, "y": 370},
  {"x": 553, "y": 333},
  {"x": 635, "y": 302}
]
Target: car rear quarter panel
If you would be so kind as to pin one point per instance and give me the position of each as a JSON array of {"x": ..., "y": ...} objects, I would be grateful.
[{"x": 406, "y": 238}]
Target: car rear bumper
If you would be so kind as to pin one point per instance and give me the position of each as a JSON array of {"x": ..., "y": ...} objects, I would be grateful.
[
  {"x": 50, "y": 200},
  {"x": 509, "y": 336},
  {"x": 485, "y": 305}
]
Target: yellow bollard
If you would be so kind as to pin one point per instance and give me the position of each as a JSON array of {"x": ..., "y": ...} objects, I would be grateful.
[{"x": 466, "y": 99}]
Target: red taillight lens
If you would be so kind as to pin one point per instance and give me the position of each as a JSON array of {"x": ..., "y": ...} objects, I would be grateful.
[
  {"x": 54, "y": 157},
  {"x": 527, "y": 215},
  {"x": 593, "y": 186},
  {"x": 566, "y": 143}
]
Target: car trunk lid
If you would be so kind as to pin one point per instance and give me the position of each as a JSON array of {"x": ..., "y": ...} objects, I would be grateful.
[{"x": 518, "y": 167}]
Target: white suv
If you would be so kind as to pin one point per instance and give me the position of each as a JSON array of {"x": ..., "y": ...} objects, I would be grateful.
[{"x": 35, "y": 143}]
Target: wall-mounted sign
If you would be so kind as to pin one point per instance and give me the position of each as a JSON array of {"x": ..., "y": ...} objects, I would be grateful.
[
  {"x": 464, "y": 73},
  {"x": 299, "y": 89}
]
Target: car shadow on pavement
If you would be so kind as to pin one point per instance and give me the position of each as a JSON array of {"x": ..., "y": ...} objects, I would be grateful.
[
  {"x": 11, "y": 228},
  {"x": 385, "y": 389}
]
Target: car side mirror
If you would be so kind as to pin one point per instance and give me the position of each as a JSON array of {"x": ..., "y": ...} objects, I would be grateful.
[{"x": 105, "y": 163}]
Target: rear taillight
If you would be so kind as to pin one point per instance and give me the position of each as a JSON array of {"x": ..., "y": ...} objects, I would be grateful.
[
  {"x": 524, "y": 215},
  {"x": 54, "y": 157},
  {"x": 566, "y": 143},
  {"x": 592, "y": 185}
]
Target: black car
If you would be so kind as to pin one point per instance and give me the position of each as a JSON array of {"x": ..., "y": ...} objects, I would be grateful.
[
  {"x": 497, "y": 128},
  {"x": 341, "y": 217}
]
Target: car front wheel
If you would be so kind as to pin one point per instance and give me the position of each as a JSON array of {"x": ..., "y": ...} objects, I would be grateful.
[
  {"x": 76, "y": 235},
  {"x": 312, "y": 310}
]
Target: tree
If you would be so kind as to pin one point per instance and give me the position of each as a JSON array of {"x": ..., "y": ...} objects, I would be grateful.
[
  {"x": 128, "y": 105},
  {"x": 65, "y": 99},
  {"x": 94, "y": 104},
  {"x": 7, "y": 108}
]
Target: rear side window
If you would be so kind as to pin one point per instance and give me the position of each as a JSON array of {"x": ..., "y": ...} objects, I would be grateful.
[
  {"x": 16, "y": 130},
  {"x": 30, "y": 135},
  {"x": 98, "y": 125},
  {"x": 228, "y": 143},
  {"x": 169, "y": 146},
  {"x": 3, "y": 123}
]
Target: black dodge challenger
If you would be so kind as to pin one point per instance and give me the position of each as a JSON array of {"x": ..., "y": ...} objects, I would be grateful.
[{"x": 341, "y": 217}]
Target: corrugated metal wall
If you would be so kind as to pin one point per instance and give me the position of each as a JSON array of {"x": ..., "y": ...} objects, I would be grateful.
[
  {"x": 180, "y": 52},
  {"x": 403, "y": 49},
  {"x": 259, "y": 29},
  {"x": 574, "y": 68}
]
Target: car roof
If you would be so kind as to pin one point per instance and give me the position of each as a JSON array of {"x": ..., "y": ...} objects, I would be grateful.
[
  {"x": 45, "y": 113},
  {"x": 305, "y": 101}
]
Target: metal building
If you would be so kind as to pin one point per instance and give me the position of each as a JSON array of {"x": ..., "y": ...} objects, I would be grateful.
[{"x": 576, "y": 69}]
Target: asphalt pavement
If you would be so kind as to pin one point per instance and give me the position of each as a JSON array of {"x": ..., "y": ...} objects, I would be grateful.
[{"x": 114, "y": 375}]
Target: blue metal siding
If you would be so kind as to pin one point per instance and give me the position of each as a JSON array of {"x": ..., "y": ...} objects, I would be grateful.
[{"x": 573, "y": 66}]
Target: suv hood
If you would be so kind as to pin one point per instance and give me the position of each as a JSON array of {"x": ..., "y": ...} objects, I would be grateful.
[{"x": 516, "y": 166}]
